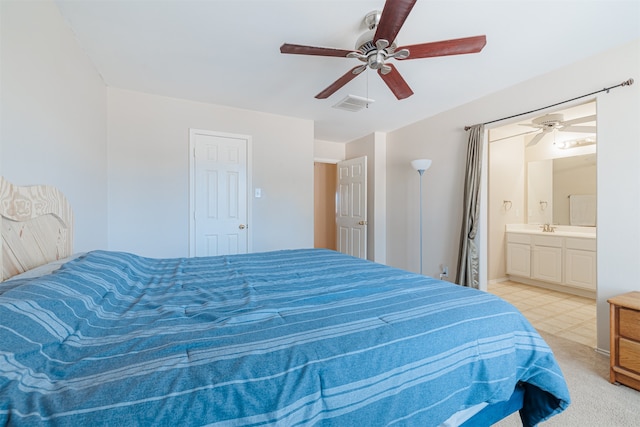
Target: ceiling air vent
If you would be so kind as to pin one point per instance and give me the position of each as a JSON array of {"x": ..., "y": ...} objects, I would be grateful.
[{"x": 353, "y": 103}]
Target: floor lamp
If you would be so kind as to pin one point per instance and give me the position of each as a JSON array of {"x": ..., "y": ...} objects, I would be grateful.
[{"x": 421, "y": 165}]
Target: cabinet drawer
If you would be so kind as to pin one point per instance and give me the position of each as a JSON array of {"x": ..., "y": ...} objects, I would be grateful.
[
  {"x": 581, "y": 244},
  {"x": 630, "y": 324},
  {"x": 518, "y": 238},
  {"x": 629, "y": 355},
  {"x": 555, "y": 242}
]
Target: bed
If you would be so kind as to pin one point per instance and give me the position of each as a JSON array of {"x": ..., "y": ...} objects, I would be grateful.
[{"x": 290, "y": 337}]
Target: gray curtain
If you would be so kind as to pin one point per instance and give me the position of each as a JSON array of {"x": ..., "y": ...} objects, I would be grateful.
[{"x": 468, "y": 265}]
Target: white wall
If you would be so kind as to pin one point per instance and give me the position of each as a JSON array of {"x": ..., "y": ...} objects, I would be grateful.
[
  {"x": 53, "y": 122},
  {"x": 618, "y": 166},
  {"x": 539, "y": 190},
  {"x": 441, "y": 139},
  {"x": 618, "y": 169},
  {"x": 328, "y": 151},
  {"x": 506, "y": 183},
  {"x": 380, "y": 194},
  {"x": 149, "y": 173}
]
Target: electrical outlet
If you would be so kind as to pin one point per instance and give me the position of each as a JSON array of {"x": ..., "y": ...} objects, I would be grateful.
[{"x": 445, "y": 271}]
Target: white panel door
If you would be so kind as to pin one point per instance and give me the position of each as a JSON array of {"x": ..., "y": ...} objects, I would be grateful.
[
  {"x": 351, "y": 207},
  {"x": 218, "y": 194}
]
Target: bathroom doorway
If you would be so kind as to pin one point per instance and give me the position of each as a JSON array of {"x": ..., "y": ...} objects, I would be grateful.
[{"x": 561, "y": 146}]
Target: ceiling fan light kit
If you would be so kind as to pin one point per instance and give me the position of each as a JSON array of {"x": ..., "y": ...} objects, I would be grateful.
[
  {"x": 550, "y": 122},
  {"x": 563, "y": 145},
  {"x": 378, "y": 45}
]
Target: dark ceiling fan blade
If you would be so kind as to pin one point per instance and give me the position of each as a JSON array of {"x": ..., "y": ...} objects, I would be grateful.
[
  {"x": 393, "y": 15},
  {"x": 331, "y": 89},
  {"x": 445, "y": 47},
  {"x": 396, "y": 83},
  {"x": 298, "y": 49}
]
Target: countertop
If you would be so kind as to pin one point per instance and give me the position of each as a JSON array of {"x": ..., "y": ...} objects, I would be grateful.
[{"x": 559, "y": 230}]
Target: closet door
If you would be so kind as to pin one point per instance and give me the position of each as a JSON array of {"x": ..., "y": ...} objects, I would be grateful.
[{"x": 219, "y": 199}]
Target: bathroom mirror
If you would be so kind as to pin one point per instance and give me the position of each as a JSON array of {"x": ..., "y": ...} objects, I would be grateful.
[{"x": 550, "y": 183}]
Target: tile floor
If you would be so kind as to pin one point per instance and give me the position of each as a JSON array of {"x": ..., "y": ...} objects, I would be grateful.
[{"x": 563, "y": 315}]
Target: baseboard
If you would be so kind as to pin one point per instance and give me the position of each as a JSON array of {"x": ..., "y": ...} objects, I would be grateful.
[{"x": 559, "y": 288}]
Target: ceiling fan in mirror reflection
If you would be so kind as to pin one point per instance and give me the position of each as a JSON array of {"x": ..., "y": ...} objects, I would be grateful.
[{"x": 550, "y": 122}]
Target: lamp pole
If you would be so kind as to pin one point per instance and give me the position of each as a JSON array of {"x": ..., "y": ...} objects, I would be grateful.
[
  {"x": 421, "y": 172},
  {"x": 421, "y": 165}
]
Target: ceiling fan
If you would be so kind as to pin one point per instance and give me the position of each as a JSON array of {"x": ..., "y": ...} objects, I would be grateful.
[
  {"x": 550, "y": 122},
  {"x": 378, "y": 45}
]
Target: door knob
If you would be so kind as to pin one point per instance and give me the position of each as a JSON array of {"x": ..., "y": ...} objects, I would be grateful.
[
  {"x": 242, "y": 226},
  {"x": 362, "y": 223}
]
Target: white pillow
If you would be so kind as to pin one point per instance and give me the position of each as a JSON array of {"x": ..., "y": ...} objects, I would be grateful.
[{"x": 45, "y": 269}]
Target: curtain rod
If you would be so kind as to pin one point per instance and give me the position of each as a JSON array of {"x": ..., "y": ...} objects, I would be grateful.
[{"x": 606, "y": 89}]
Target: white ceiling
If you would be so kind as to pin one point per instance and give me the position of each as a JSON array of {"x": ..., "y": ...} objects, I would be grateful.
[{"x": 227, "y": 52}]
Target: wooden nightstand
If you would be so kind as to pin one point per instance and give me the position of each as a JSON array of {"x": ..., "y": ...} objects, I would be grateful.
[{"x": 625, "y": 339}]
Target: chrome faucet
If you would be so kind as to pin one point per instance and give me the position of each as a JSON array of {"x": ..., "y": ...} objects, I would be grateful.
[{"x": 547, "y": 228}]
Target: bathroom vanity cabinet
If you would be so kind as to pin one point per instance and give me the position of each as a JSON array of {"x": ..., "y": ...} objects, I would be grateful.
[
  {"x": 625, "y": 339},
  {"x": 556, "y": 261}
]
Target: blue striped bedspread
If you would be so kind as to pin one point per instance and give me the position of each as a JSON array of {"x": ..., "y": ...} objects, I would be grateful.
[{"x": 289, "y": 338}]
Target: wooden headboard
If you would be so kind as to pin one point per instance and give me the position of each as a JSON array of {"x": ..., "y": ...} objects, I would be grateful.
[{"x": 36, "y": 226}]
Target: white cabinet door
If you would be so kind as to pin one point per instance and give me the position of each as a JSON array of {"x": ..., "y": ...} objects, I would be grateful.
[
  {"x": 581, "y": 269},
  {"x": 547, "y": 264},
  {"x": 518, "y": 259}
]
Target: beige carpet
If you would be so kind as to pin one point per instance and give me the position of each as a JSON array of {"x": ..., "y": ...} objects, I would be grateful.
[{"x": 595, "y": 401}]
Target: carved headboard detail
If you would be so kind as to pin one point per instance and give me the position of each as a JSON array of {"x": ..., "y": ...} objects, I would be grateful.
[{"x": 36, "y": 226}]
